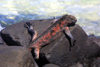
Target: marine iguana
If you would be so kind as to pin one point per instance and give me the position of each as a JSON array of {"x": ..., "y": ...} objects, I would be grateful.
[{"x": 46, "y": 37}]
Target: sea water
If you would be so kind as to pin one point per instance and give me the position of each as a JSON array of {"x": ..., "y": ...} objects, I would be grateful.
[{"x": 87, "y": 12}]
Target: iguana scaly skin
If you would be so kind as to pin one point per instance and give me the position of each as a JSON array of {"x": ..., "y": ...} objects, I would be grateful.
[{"x": 61, "y": 24}]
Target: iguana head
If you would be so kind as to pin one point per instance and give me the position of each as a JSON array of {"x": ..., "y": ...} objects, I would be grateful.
[{"x": 69, "y": 19}]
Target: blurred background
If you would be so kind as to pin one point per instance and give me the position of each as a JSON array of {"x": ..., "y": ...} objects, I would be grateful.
[{"x": 86, "y": 11}]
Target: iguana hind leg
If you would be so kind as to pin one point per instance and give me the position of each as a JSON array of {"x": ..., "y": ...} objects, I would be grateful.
[
  {"x": 31, "y": 31},
  {"x": 37, "y": 51}
]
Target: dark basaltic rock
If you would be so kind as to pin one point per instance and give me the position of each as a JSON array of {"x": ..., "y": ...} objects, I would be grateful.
[
  {"x": 51, "y": 65},
  {"x": 2, "y": 42},
  {"x": 77, "y": 65},
  {"x": 95, "y": 39},
  {"x": 96, "y": 62},
  {"x": 17, "y": 34},
  {"x": 58, "y": 51},
  {"x": 16, "y": 57}
]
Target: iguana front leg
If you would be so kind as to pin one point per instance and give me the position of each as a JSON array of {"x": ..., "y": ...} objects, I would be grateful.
[{"x": 69, "y": 36}]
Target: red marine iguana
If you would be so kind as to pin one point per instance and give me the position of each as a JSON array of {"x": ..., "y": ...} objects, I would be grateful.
[{"x": 60, "y": 25}]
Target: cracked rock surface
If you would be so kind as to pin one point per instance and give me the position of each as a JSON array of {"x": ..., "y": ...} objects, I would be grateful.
[{"x": 12, "y": 56}]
